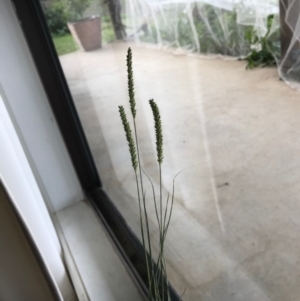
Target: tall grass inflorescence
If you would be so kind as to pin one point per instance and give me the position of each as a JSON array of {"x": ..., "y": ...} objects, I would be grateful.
[{"x": 157, "y": 278}]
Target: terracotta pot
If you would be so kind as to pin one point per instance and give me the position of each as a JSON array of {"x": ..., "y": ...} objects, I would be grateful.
[{"x": 87, "y": 33}]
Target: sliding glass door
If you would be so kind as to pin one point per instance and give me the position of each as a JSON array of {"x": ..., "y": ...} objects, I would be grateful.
[{"x": 219, "y": 160}]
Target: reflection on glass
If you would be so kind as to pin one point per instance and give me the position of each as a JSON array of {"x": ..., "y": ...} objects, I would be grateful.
[{"x": 235, "y": 227}]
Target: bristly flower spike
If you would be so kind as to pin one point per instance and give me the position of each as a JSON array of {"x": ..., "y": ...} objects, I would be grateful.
[
  {"x": 130, "y": 82},
  {"x": 129, "y": 138},
  {"x": 158, "y": 130}
]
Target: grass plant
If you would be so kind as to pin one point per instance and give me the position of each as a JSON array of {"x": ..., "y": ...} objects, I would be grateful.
[{"x": 158, "y": 285}]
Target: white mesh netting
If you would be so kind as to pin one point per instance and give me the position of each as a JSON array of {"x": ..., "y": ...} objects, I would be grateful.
[{"x": 266, "y": 29}]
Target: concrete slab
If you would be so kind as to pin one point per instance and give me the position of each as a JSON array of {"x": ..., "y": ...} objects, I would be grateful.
[{"x": 235, "y": 230}]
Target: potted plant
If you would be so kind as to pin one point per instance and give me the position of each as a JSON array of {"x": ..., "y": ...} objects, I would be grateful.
[{"x": 85, "y": 31}]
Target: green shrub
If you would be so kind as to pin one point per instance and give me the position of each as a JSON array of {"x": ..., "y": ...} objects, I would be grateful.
[
  {"x": 62, "y": 11},
  {"x": 265, "y": 49},
  {"x": 217, "y": 31},
  {"x": 57, "y": 17},
  {"x": 76, "y": 9}
]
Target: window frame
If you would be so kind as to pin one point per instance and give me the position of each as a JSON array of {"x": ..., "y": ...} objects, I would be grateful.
[{"x": 41, "y": 46}]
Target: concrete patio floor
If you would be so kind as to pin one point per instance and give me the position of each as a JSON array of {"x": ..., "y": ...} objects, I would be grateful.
[{"x": 235, "y": 230}]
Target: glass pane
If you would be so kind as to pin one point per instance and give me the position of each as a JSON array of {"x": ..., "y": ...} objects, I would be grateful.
[{"x": 230, "y": 131}]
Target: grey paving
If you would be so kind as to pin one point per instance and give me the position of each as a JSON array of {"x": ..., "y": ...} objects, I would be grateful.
[{"x": 235, "y": 233}]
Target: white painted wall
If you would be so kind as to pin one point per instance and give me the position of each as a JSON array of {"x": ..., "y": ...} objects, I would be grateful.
[
  {"x": 19, "y": 180},
  {"x": 33, "y": 119},
  {"x": 34, "y": 163}
]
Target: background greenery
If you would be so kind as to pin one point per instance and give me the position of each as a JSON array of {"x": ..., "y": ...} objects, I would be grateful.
[
  {"x": 268, "y": 49},
  {"x": 217, "y": 30},
  {"x": 64, "y": 44},
  {"x": 59, "y": 12},
  {"x": 218, "y": 33}
]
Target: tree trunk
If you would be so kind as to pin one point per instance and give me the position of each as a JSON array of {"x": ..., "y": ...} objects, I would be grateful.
[
  {"x": 290, "y": 46},
  {"x": 114, "y": 7}
]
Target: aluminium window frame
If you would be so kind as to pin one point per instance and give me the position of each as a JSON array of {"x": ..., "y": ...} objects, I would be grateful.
[{"x": 41, "y": 46}]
